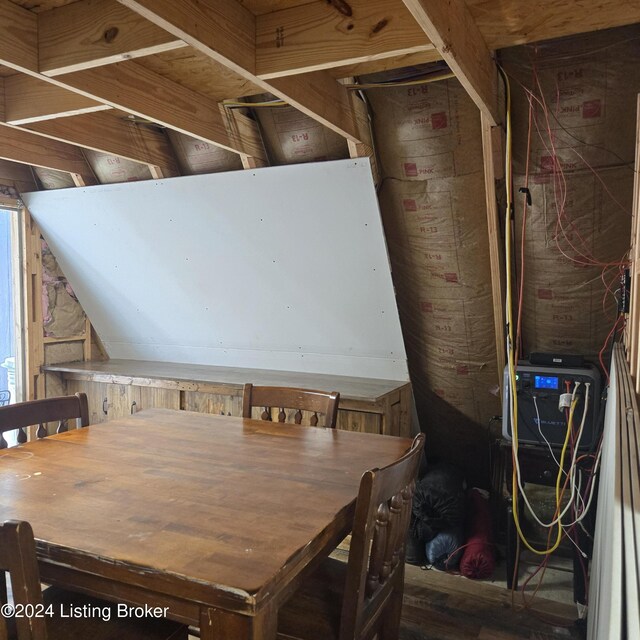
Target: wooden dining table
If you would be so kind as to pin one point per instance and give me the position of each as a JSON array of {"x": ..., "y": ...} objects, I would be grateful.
[{"x": 215, "y": 519}]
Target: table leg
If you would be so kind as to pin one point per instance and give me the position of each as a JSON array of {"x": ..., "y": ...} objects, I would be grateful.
[{"x": 217, "y": 623}]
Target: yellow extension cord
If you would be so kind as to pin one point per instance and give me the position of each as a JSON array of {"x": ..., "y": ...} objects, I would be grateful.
[{"x": 511, "y": 354}]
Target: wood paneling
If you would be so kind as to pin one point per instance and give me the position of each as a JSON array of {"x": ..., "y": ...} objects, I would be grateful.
[
  {"x": 217, "y": 403},
  {"x": 366, "y": 405}
]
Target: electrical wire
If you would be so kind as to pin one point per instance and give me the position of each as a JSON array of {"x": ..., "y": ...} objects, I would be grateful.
[
  {"x": 535, "y": 404},
  {"x": 236, "y": 104},
  {"x": 401, "y": 83},
  {"x": 513, "y": 397}
]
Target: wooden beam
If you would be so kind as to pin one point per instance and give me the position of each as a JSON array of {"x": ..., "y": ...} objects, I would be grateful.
[
  {"x": 2, "y": 100},
  {"x": 29, "y": 99},
  {"x": 248, "y": 130},
  {"x": 324, "y": 35},
  {"x": 449, "y": 25},
  {"x": 134, "y": 89},
  {"x": 633, "y": 319},
  {"x": 18, "y": 37},
  {"x": 111, "y": 133},
  {"x": 365, "y": 149},
  {"x": 491, "y": 146},
  {"x": 131, "y": 88},
  {"x": 91, "y": 33},
  {"x": 28, "y": 148},
  {"x": 32, "y": 309},
  {"x": 507, "y": 23},
  {"x": 225, "y": 31},
  {"x": 385, "y": 64}
]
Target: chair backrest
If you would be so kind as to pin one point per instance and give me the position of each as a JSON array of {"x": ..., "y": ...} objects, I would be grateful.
[
  {"x": 39, "y": 412},
  {"x": 5, "y": 397},
  {"x": 18, "y": 558},
  {"x": 276, "y": 400},
  {"x": 378, "y": 539}
]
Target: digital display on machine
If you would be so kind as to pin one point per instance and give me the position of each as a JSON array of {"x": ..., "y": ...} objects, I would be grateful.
[{"x": 546, "y": 382}]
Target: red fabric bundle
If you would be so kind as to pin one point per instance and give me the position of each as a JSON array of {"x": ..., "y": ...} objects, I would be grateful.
[{"x": 479, "y": 558}]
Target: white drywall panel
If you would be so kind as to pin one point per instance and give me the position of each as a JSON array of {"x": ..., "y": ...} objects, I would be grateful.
[{"x": 279, "y": 268}]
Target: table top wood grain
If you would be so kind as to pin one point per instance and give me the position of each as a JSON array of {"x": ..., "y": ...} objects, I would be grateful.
[{"x": 214, "y": 510}]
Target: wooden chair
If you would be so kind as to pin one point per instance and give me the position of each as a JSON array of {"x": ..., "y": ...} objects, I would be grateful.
[
  {"x": 25, "y": 414},
  {"x": 287, "y": 398},
  {"x": 18, "y": 558},
  {"x": 363, "y": 597}
]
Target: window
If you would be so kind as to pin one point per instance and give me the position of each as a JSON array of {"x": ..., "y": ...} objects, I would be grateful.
[{"x": 11, "y": 296}]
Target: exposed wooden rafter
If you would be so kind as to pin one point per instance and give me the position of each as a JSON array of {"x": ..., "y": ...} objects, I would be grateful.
[
  {"x": 493, "y": 170},
  {"x": 126, "y": 86},
  {"x": 28, "y": 148},
  {"x": 39, "y": 107},
  {"x": 324, "y": 35},
  {"x": 18, "y": 37},
  {"x": 449, "y": 25},
  {"x": 385, "y": 64},
  {"x": 134, "y": 89},
  {"x": 89, "y": 34},
  {"x": 110, "y": 133},
  {"x": 29, "y": 99},
  {"x": 508, "y": 23},
  {"x": 225, "y": 31}
]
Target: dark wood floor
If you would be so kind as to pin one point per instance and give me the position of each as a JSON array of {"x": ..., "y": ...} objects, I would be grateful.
[{"x": 438, "y": 606}]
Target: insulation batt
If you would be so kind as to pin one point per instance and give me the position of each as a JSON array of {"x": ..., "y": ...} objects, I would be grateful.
[
  {"x": 432, "y": 198},
  {"x": 581, "y": 166}
]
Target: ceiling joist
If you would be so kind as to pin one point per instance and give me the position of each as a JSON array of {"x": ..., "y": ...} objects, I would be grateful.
[
  {"x": 225, "y": 31},
  {"x": 28, "y": 148},
  {"x": 134, "y": 89},
  {"x": 324, "y": 35},
  {"x": 128, "y": 87},
  {"x": 450, "y": 26},
  {"x": 89, "y": 34},
  {"x": 19, "y": 37},
  {"x": 110, "y": 133},
  {"x": 28, "y": 99}
]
